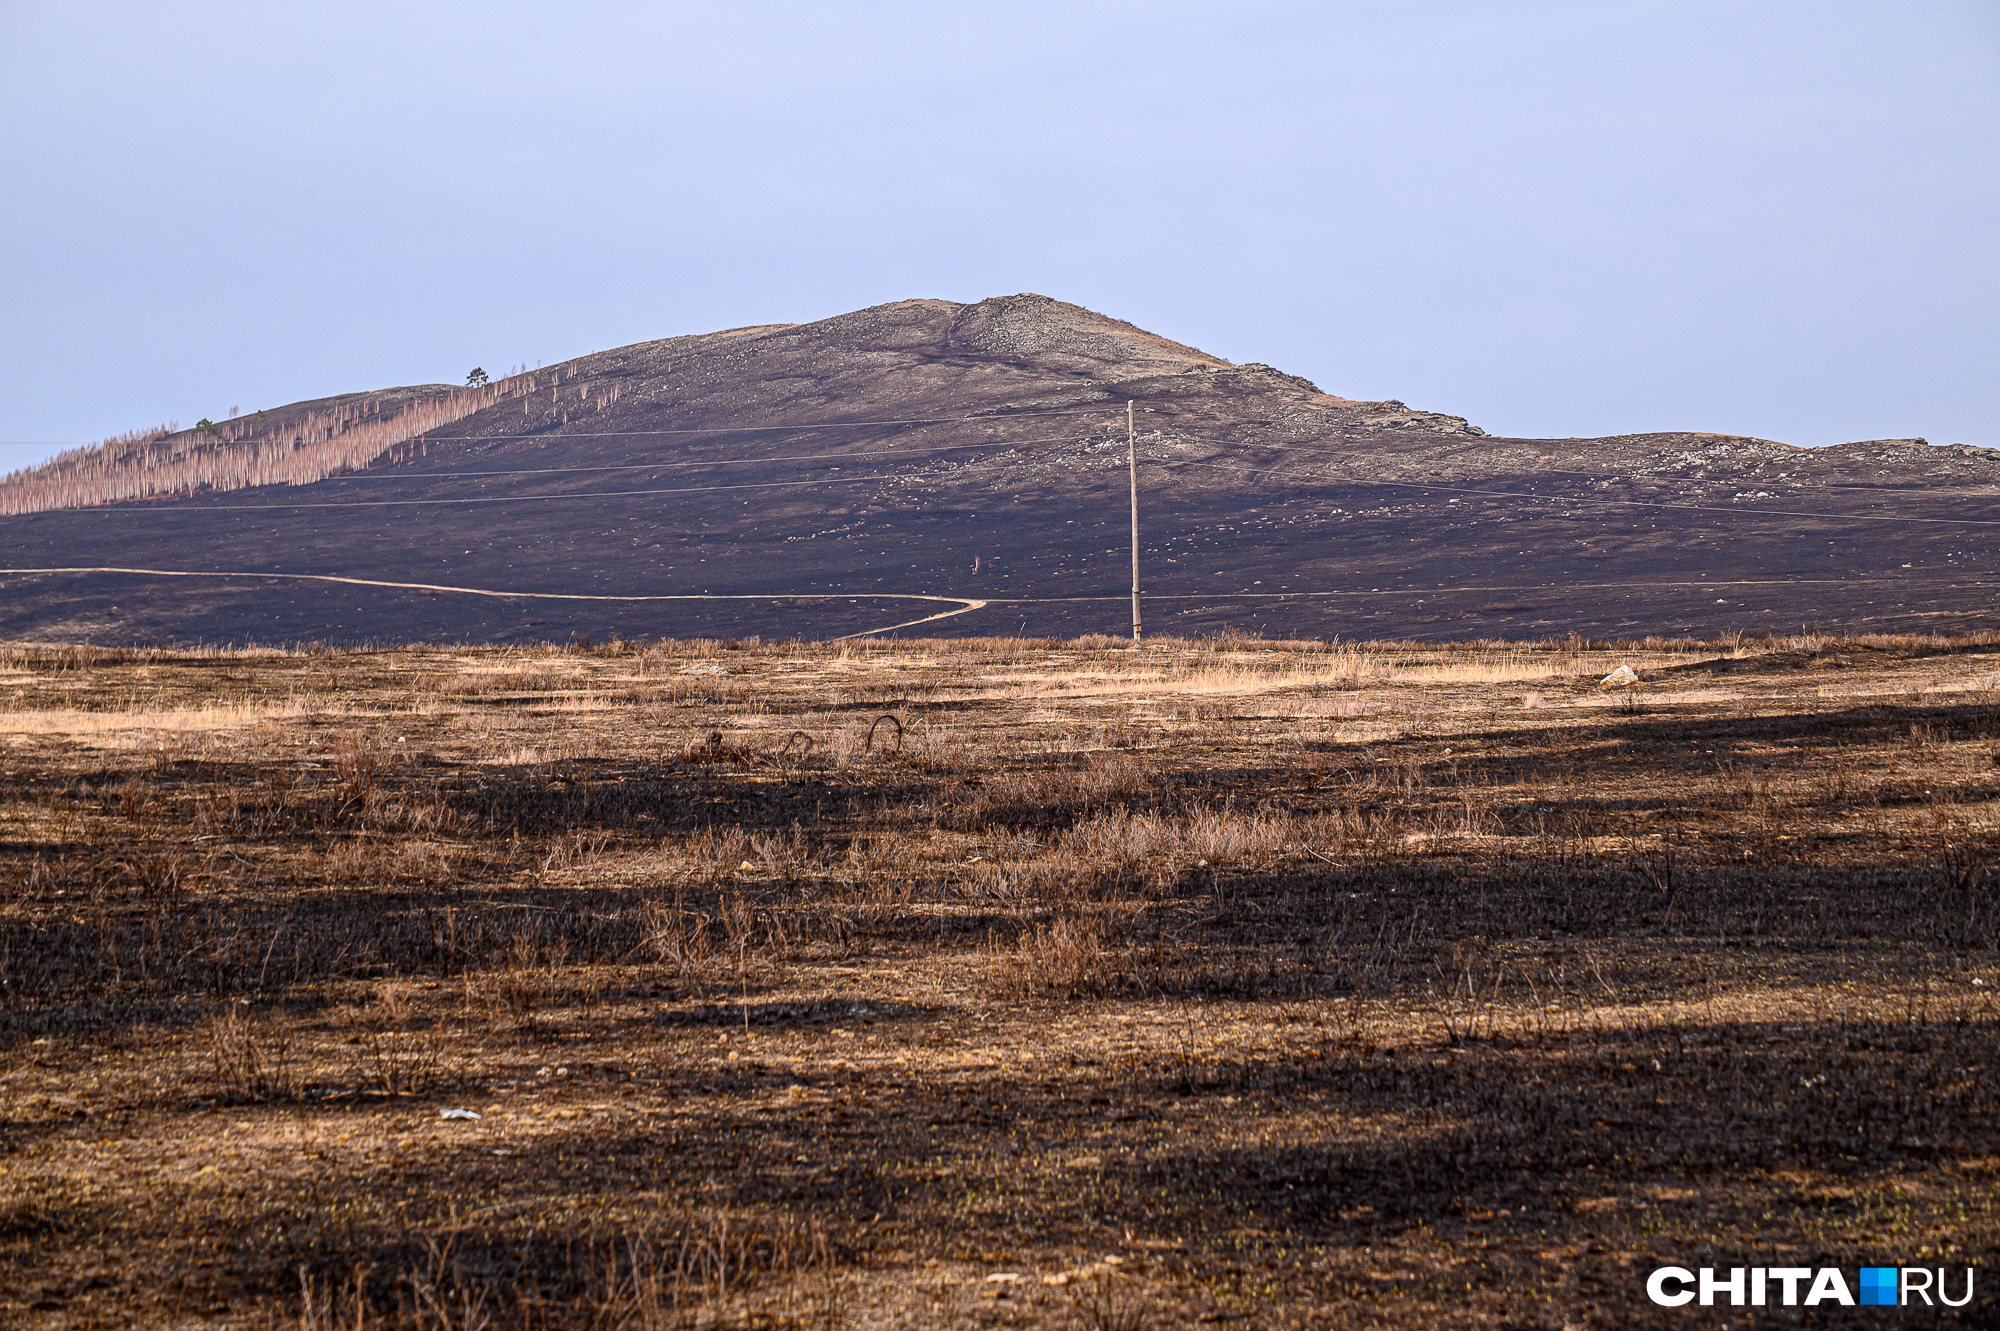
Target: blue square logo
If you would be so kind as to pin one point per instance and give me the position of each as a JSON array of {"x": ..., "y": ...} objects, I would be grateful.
[{"x": 1879, "y": 1285}]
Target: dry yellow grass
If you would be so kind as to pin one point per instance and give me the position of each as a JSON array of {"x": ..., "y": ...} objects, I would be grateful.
[
  {"x": 1277, "y": 984},
  {"x": 137, "y": 726}
]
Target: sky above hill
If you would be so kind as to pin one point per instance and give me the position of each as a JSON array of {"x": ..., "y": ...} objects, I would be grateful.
[{"x": 1552, "y": 218}]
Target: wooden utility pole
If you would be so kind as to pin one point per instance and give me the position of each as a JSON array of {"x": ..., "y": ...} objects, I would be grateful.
[{"x": 1132, "y": 461}]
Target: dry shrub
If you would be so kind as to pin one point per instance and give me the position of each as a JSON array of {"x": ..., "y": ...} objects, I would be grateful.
[
  {"x": 725, "y": 944},
  {"x": 1072, "y": 956},
  {"x": 681, "y": 938},
  {"x": 1120, "y": 848},
  {"x": 1106, "y": 1301},
  {"x": 1000, "y": 651},
  {"x": 425, "y": 862},
  {"x": 1122, "y": 842},
  {"x": 403, "y": 1055},
  {"x": 687, "y": 690},
  {"x": 1224, "y": 836},
  {"x": 159, "y": 876},
  {"x": 251, "y": 1057},
  {"x": 661, "y": 1280},
  {"x": 720, "y": 854},
  {"x": 710, "y": 1255},
  {"x": 57, "y": 658},
  {"x": 845, "y": 749},
  {"x": 355, "y": 860},
  {"x": 1462, "y": 819},
  {"x": 575, "y": 850},
  {"x": 1051, "y": 878},
  {"x": 527, "y": 974},
  {"x": 416, "y": 817},
  {"x": 716, "y": 850},
  {"x": 1464, "y": 997},
  {"x": 870, "y": 861},
  {"x": 785, "y": 854},
  {"x": 1161, "y": 846},
  {"x": 1125, "y": 733},
  {"x": 1051, "y": 796},
  {"x": 1752, "y": 788},
  {"x": 1959, "y": 895},
  {"x": 538, "y": 678},
  {"x": 361, "y": 765}
]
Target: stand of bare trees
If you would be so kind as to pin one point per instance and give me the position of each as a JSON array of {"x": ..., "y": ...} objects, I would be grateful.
[{"x": 293, "y": 446}]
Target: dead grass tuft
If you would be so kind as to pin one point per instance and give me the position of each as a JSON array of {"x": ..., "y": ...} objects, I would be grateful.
[{"x": 251, "y": 1056}]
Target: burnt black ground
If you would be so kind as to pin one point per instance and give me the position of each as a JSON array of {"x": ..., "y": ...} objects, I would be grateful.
[{"x": 1266, "y": 506}]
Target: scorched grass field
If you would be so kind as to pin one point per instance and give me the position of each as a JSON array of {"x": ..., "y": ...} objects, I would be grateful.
[{"x": 989, "y": 982}]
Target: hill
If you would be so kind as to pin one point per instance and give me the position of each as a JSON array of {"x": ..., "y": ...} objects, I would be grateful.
[{"x": 822, "y": 478}]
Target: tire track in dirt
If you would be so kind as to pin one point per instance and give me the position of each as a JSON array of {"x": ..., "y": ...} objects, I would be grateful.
[{"x": 963, "y": 604}]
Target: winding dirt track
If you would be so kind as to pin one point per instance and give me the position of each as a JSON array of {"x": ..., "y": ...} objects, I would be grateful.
[{"x": 962, "y": 604}]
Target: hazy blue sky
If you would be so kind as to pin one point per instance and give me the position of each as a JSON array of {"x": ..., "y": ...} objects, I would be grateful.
[{"x": 1780, "y": 219}]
